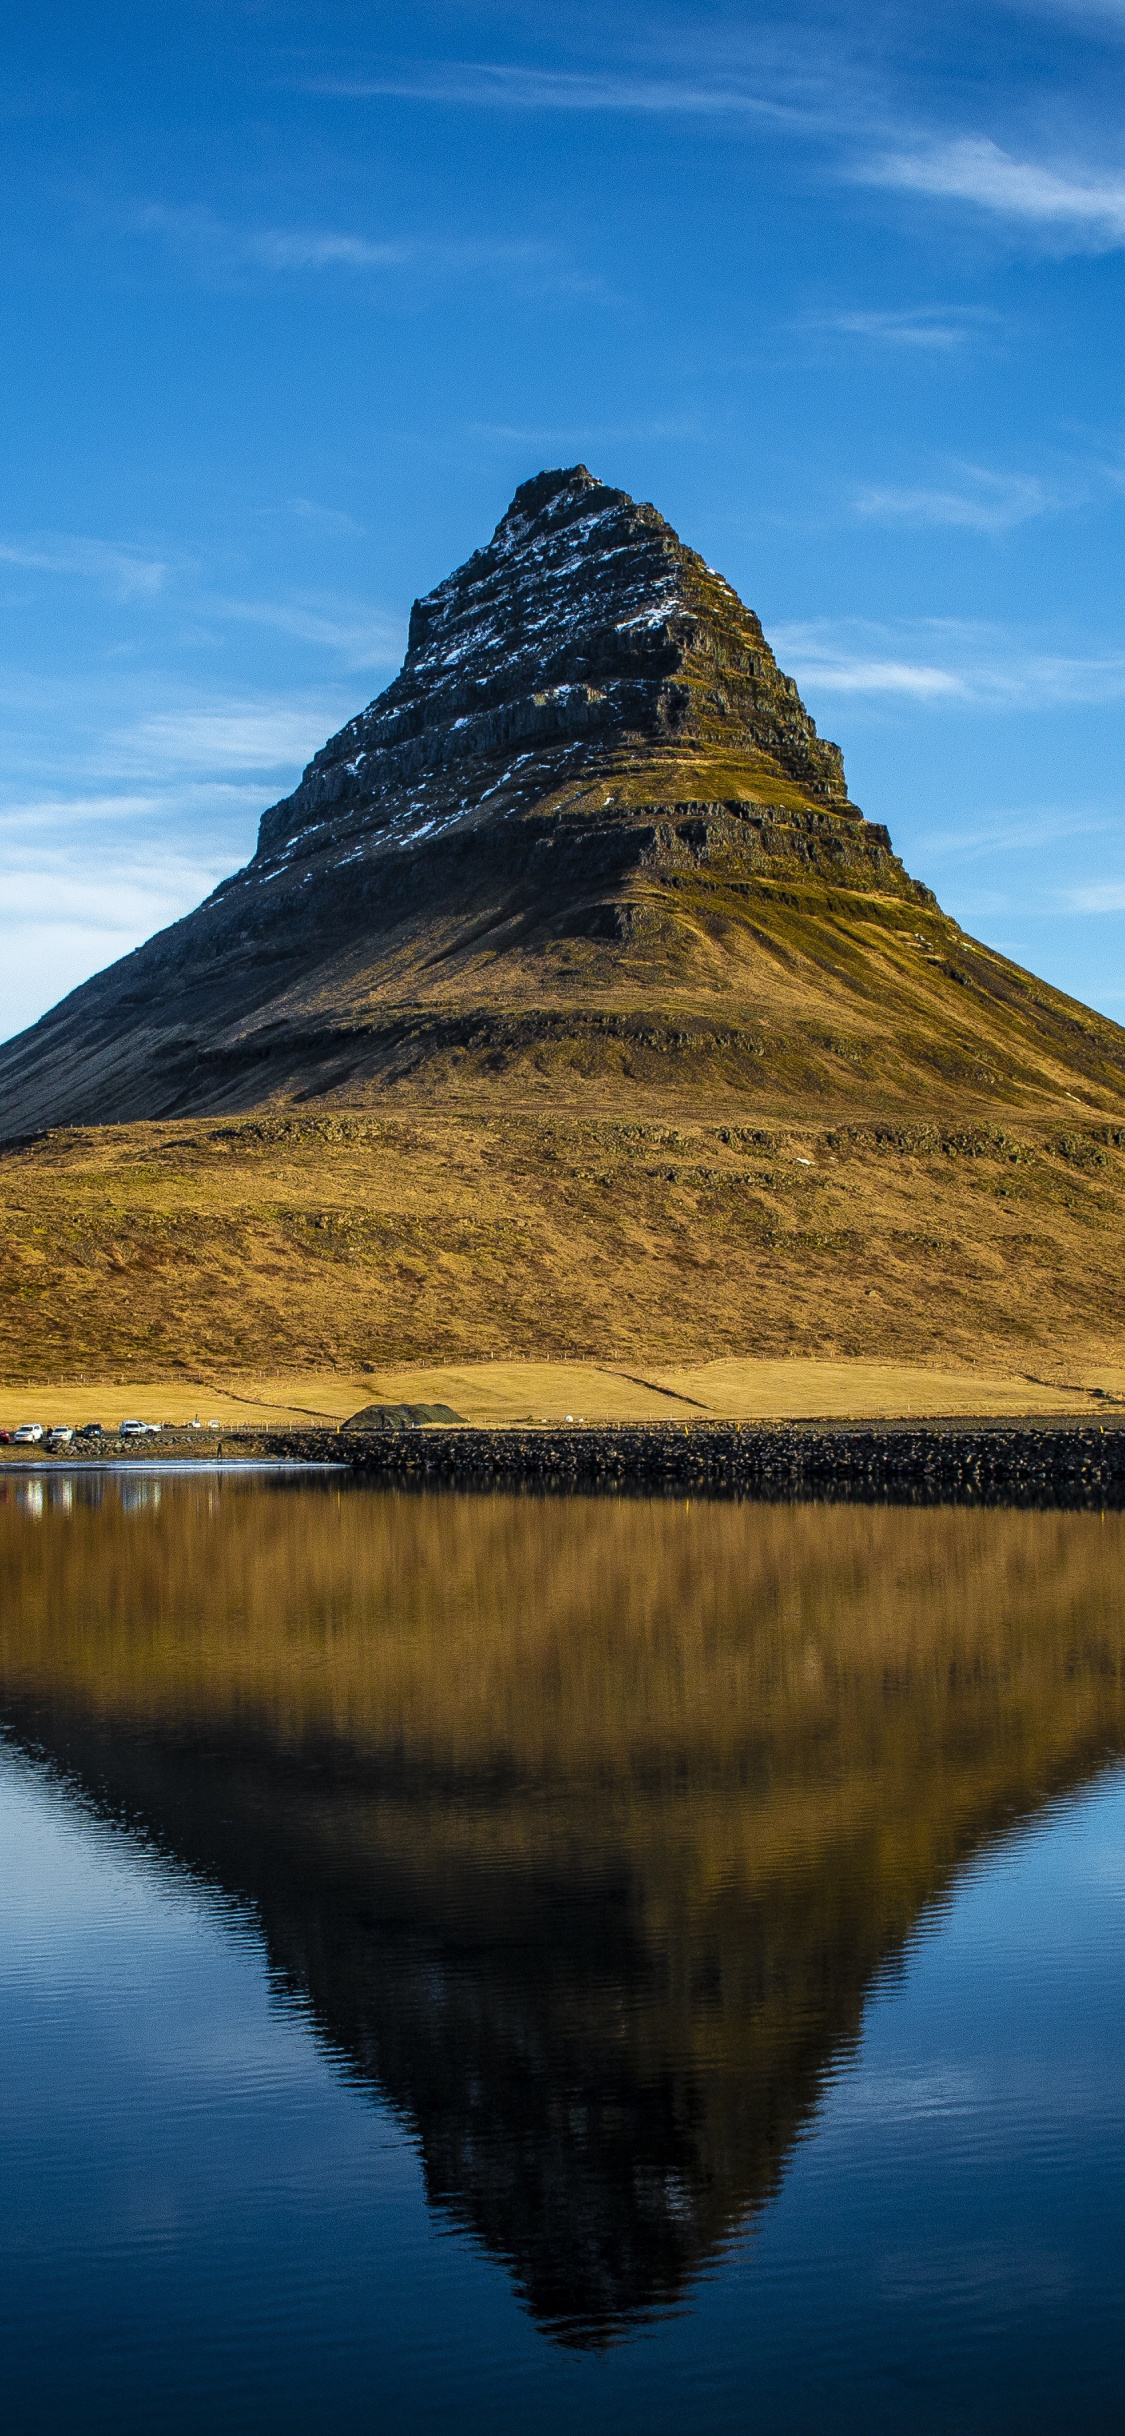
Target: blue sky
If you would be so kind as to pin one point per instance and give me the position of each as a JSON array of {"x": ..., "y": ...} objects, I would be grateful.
[{"x": 293, "y": 296}]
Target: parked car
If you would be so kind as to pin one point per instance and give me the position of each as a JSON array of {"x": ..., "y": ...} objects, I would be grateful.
[
  {"x": 5, "y": 1437},
  {"x": 139, "y": 1429},
  {"x": 59, "y": 1437},
  {"x": 29, "y": 1433},
  {"x": 91, "y": 1429}
]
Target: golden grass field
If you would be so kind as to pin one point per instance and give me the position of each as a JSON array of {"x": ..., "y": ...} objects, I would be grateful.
[{"x": 496, "y": 1393}]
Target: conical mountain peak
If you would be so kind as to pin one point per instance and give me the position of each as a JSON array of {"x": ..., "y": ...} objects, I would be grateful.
[
  {"x": 588, "y": 840},
  {"x": 583, "y": 624},
  {"x": 562, "y": 483}
]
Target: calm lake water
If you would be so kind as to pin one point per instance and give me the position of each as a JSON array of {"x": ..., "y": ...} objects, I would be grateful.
[{"x": 519, "y": 1964}]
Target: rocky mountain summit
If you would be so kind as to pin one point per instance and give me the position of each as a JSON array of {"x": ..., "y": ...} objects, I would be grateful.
[
  {"x": 584, "y": 624},
  {"x": 588, "y": 841}
]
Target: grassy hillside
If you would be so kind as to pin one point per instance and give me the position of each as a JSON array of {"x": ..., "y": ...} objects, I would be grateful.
[{"x": 368, "y": 1240}]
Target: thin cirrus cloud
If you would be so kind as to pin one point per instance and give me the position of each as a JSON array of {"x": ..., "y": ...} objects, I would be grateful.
[
  {"x": 209, "y": 764},
  {"x": 1102, "y": 897},
  {"x": 199, "y": 771},
  {"x": 314, "y": 249},
  {"x": 930, "y": 329},
  {"x": 587, "y": 436},
  {"x": 1022, "y": 832},
  {"x": 268, "y": 736},
  {"x": 310, "y": 511},
  {"x": 978, "y": 502},
  {"x": 1073, "y": 210},
  {"x": 947, "y": 665},
  {"x": 495, "y": 84},
  {"x": 114, "y": 567},
  {"x": 47, "y": 812},
  {"x": 52, "y": 890},
  {"x": 200, "y": 231},
  {"x": 124, "y": 799},
  {"x": 361, "y": 638},
  {"x": 60, "y": 922},
  {"x": 818, "y": 659},
  {"x": 226, "y": 248}
]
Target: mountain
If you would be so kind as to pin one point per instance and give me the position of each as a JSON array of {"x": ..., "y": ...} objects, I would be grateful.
[{"x": 588, "y": 844}]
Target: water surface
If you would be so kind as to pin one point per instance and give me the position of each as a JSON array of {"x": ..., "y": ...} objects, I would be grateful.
[{"x": 651, "y": 1965}]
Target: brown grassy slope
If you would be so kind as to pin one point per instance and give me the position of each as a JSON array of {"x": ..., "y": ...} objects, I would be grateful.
[
  {"x": 700, "y": 960},
  {"x": 342, "y": 1239}
]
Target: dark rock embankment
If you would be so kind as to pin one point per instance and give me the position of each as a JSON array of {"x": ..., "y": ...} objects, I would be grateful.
[{"x": 1055, "y": 1462}]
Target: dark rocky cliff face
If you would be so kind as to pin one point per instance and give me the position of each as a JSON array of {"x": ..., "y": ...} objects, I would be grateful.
[
  {"x": 584, "y": 623},
  {"x": 591, "y": 805}
]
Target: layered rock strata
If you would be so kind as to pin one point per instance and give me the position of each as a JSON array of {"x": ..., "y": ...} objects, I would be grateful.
[{"x": 584, "y": 624}]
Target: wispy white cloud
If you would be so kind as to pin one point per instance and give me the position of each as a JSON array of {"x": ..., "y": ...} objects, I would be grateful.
[
  {"x": 116, "y": 567},
  {"x": 1009, "y": 833},
  {"x": 494, "y": 84},
  {"x": 587, "y": 436},
  {"x": 218, "y": 736},
  {"x": 44, "y": 959},
  {"x": 274, "y": 249},
  {"x": 310, "y": 511},
  {"x": 1049, "y": 681},
  {"x": 126, "y": 738},
  {"x": 54, "y": 811},
  {"x": 931, "y": 329},
  {"x": 319, "y": 249},
  {"x": 364, "y": 638},
  {"x": 1075, "y": 208},
  {"x": 64, "y": 916},
  {"x": 194, "y": 805},
  {"x": 231, "y": 247},
  {"x": 978, "y": 502},
  {"x": 946, "y": 663},
  {"x": 1101, "y": 897},
  {"x": 150, "y": 892},
  {"x": 128, "y": 815},
  {"x": 817, "y": 662}
]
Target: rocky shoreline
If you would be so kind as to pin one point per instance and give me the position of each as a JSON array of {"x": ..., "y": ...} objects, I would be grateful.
[{"x": 1054, "y": 1462}]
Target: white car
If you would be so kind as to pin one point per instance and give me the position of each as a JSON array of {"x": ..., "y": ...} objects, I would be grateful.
[
  {"x": 59, "y": 1437},
  {"x": 139, "y": 1429},
  {"x": 29, "y": 1433}
]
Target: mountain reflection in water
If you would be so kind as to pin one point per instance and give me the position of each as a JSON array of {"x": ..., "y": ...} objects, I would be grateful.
[{"x": 579, "y": 1828}]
